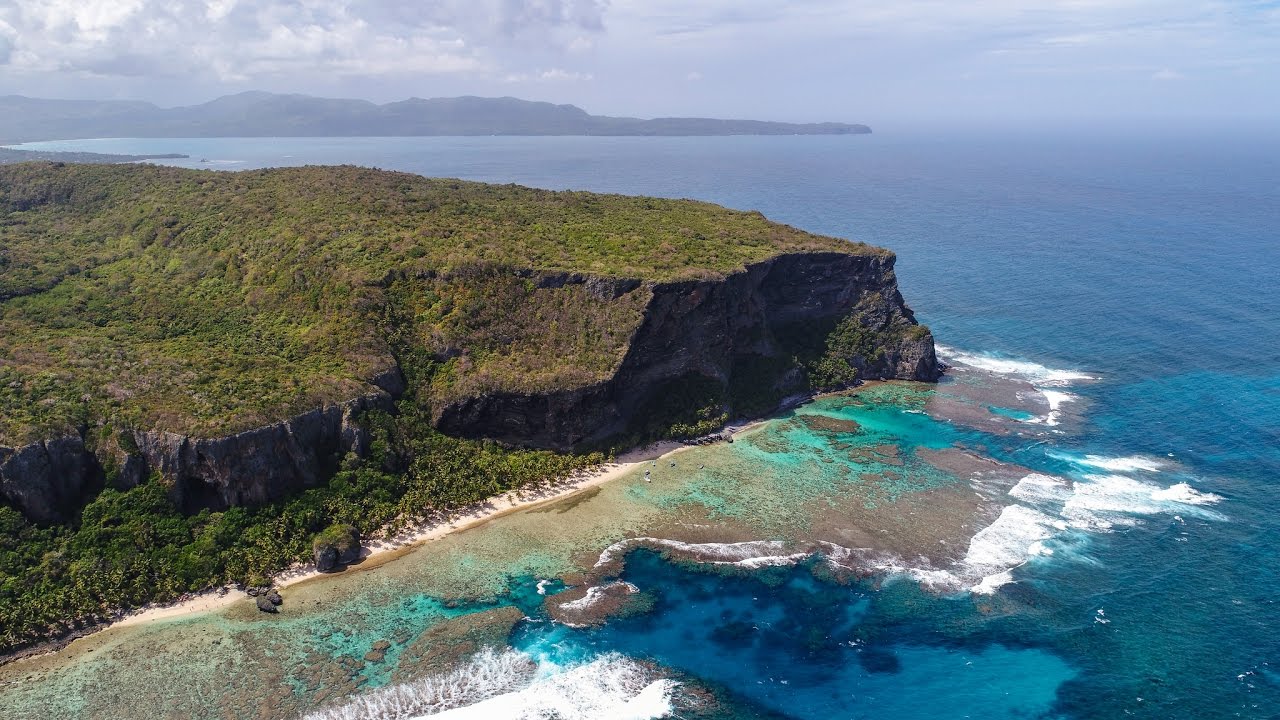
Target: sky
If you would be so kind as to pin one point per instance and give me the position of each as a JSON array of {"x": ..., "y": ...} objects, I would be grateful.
[{"x": 807, "y": 60}]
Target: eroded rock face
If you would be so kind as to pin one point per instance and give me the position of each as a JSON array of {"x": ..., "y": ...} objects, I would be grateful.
[
  {"x": 260, "y": 465},
  {"x": 47, "y": 480},
  {"x": 336, "y": 547},
  {"x": 704, "y": 327}
]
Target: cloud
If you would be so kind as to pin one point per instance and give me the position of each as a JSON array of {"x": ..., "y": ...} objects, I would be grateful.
[
  {"x": 238, "y": 39},
  {"x": 557, "y": 74},
  {"x": 551, "y": 75},
  {"x": 813, "y": 59}
]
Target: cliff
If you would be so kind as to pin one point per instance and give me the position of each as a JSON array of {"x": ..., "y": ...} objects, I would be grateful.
[
  {"x": 228, "y": 333},
  {"x": 701, "y": 334}
]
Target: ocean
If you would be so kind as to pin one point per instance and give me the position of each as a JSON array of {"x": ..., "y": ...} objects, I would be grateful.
[{"x": 1080, "y": 521}]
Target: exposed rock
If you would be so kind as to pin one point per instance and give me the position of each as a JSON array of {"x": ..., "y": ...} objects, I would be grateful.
[
  {"x": 266, "y": 605},
  {"x": 326, "y": 558},
  {"x": 705, "y": 327},
  {"x": 337, "y": 546},
  {"x": 260, "y": 465},
  {"x": 273, "y": 597},
  {"x": 378, "y": 652},
  {"x": 47, "y": 480},
  {"x": 695, "y": 328}
]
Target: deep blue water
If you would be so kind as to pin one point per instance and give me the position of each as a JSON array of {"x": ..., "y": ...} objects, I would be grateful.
[{"x": 1152, "y": 263}]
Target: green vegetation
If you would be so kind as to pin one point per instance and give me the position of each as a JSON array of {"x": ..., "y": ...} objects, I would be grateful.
[
  {"x": 856, "y": 341},
  {"x": 134, "y": 547},
  {"x": 207, "y": 303}
]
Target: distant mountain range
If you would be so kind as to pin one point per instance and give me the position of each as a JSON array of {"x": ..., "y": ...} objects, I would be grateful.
[{"x": 259, "y": 114}]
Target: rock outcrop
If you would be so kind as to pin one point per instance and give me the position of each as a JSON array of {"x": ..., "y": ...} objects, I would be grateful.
[
  {"x": 47, "y": 480},
  {"x": 707, "y": 328},
  {"x": 336, "y": 547},
  {"x": 260, "y": 465}
]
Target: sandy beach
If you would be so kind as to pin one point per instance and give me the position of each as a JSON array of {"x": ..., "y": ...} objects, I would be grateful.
[{"x": 380, "y": 551}]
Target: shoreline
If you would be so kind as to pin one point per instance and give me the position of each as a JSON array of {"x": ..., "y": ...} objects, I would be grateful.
[{"x": 382, "y": 551}]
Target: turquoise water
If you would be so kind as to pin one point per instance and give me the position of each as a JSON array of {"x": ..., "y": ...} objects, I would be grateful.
[{"x": 1147, "y": 264}]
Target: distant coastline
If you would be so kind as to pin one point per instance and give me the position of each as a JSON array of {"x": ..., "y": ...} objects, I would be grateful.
[
  {"x": 13, "y": 155},
  {"x": 259, "y": 114}
]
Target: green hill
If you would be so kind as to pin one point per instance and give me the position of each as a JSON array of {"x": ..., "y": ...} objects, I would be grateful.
[
  {"x": 209, "y": 303},
  {"x": 200, "y": 371}
]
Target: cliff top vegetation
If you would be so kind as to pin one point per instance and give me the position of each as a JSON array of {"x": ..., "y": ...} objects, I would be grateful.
[{"x": 207, "y": 303}]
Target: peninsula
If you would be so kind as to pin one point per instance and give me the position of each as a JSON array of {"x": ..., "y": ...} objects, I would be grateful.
[
  {"x": 200, "y": 371},
  {"x": 259, "y": 114}
]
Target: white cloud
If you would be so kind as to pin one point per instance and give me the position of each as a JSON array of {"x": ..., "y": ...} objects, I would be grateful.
[
  {"x": 230, "y": 39},
  {"x": 557, "y": 75},
  {"x": 813, "y": 59},
  {"x": 1166, "y": 74}
]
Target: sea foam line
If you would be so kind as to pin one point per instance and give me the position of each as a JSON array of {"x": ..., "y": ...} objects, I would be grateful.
[
  {"x": 509, "y": 685},
  {"x": 750, "y": 554},
  {"x": 1032, "y": 372}
]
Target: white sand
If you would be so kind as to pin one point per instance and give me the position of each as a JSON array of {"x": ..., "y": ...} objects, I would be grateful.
[{"x": 380, "y": 551}]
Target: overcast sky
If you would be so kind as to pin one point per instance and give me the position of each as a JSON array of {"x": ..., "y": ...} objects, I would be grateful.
[{"x": 857, "y": 60}]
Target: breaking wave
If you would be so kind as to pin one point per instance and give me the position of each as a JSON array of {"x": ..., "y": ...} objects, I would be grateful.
[
  {"x": 510, "y": 685},
  {"x": 595, "y": 594},
  {"x": 751, "y": 554},
  {"x": 1032, "y": 372},
  {"x": 1046, "y": 380}
]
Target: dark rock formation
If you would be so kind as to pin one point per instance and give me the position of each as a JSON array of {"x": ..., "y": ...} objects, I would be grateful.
[
  {"x": 337, "y": 546},
  {"x": 378, "y": 652},
  {"x": 706, "y": 327},
  {"x": 266, "y": 605},
  {"x": 47, "y": 480},
  {"x": 260, "y": 465}
]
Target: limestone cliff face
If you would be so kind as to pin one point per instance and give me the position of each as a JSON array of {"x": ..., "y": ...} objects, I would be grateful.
[
  {"x": 260, "y": 465},
  {"x": 708, "y": 329},
  {"x": 47, "y": 480}
]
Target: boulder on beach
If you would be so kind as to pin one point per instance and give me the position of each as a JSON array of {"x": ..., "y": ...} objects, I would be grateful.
[{"x": 336, "y": 546}]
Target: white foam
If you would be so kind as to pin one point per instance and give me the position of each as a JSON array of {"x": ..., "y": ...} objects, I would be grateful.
[
  {"x": 1039, "y": 489},
  {"x": 508, "y": 685},
  {"x": 1056, "y": 399},
  {"x": 488, "y": 674},
  {"x": 595, "y": 594},
  {"x": 1132, "y": 463},
  {"x": 1032, "y": 372},
  {"x": 1185, "y": 494},
  {"x": 993, "y": 582},
  {"x": 751, "y": 554},
  {"x": 1009, "y": 541},
  {"x": 1103, "y": 502}
]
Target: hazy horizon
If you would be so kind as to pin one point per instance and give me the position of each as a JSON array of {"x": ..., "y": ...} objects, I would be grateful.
[{"x": 911, "y": 63}]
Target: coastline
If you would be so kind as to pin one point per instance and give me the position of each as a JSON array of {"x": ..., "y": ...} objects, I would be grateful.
[{"x": 383, "y": 551}]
